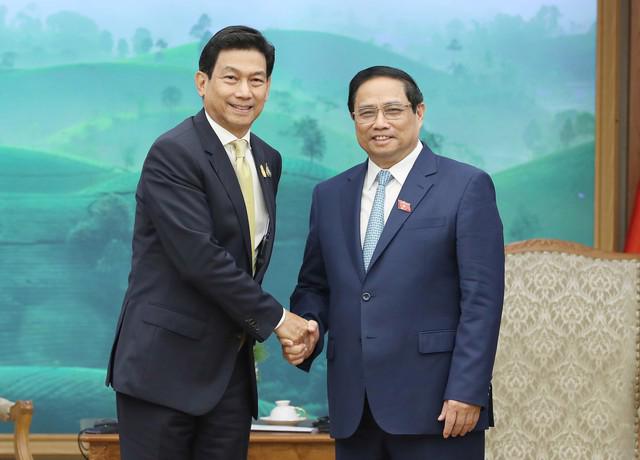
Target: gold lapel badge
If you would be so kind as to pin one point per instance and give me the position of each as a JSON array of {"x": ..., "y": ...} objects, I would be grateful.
[
  {"x": 262, "y": 171},
  {"x": 266, "y": 167}
]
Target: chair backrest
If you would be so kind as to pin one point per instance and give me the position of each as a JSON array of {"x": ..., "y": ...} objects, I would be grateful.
[
  {"x": 19, "y": 413},
  {"x": 566, "y": 378}
]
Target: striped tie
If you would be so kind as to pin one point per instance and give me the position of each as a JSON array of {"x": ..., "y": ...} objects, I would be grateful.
[{"x": 376, "y": 219}]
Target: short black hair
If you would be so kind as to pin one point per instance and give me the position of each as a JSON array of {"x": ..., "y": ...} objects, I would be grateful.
[
  {"x": 239, "y": 38},
  {"x": 410, "y": 86}
]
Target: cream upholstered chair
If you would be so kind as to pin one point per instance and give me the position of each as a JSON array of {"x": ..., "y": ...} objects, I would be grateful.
[
  {"x": 20, "y": 414},
  {"x": 566, "y": 378}
]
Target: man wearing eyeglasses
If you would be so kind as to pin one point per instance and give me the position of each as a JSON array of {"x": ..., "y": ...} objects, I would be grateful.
[{"x": 404, "y": 269}]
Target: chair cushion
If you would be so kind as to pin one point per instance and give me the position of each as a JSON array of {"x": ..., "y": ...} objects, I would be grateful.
[{"x": 566, "y": 373}]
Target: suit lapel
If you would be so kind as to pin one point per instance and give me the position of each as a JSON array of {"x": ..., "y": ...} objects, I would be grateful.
[
  {"x": 266, "y": 183},
  {"x": 351, "y": 199},
  {"x": 222, "y": 166},
  {"x": 266, "y": 186},
  {"x": 419, "y": 181}
]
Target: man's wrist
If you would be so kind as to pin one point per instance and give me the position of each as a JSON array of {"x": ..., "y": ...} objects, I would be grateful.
[{"x": 284, "y": 314}]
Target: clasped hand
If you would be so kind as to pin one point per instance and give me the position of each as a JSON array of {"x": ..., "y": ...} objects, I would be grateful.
[{"x": 298, "y": 338}]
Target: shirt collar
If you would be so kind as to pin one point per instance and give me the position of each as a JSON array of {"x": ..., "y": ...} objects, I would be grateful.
[
  {"x": 399, "y": 171},
  {"x": 224, "y": 135}
]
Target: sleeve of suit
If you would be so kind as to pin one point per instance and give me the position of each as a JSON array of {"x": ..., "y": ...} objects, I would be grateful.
[
  {"x": 310, "y": 299},
  {"x": 173, "y": 198},
  {"x": 480, "y": 254}
]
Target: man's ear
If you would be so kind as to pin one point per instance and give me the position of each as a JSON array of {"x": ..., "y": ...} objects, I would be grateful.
[
  {"x": 201, "y": 79},
  {"x": 421, "y": 109}
]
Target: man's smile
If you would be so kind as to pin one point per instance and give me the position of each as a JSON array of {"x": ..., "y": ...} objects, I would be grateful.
[{"x": 242, "y": 108}]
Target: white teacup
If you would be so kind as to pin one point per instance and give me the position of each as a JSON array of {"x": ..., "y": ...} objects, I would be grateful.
[{"x": 284, "y": 411}]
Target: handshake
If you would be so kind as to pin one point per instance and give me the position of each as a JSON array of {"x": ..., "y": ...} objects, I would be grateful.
[{"x": 298, "y": 337}]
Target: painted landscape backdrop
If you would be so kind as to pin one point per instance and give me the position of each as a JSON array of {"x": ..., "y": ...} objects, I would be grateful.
[{"x": 512, "y": 93}]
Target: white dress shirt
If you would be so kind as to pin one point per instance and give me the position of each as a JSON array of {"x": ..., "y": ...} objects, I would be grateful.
[
  {"x": 399, "y": 173},
  {"x": 261, "y": 213}
]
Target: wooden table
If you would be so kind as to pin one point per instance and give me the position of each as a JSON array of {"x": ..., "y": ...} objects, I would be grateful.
[{"x": 262, "y": 446}]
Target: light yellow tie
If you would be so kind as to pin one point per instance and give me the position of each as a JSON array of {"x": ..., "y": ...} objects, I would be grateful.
[{"x": 243, "y": 171}]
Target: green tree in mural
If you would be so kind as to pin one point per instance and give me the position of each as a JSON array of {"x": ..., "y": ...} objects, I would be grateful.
[
  {"x": 123, "y": 48},
  {"x": 161, "y": 45},
  {"x": 142, "y": 41},
  {"x": 171, "y": 97},
  {"x": 105, "y": 42},
  {"x": 567, "y": 133},
  {"x": 107, "y": 219},
  {"x": 546, "y": 22},
  {"x": 75, "y": 36},
  {"x": 8, "y": 59},
  {"x": 585, "y": 124},
  {"x": 102, "y": 240},
  {"x": 532, "y": 137},
  {"x": 454, "y": 45},
  {"x": 200, "y": 27},
  {"x": 313, "y": 142}
]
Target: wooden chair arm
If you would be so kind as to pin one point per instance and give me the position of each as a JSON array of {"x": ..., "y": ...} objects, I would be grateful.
[{"x": 20, "y": 414}]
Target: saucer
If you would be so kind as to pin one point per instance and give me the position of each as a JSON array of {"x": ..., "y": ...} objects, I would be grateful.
[{"x": 271, "y": 421}]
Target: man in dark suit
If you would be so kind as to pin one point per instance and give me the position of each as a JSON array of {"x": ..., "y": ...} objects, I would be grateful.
[
  {"x": 182, "y": 362},
  {"x": 404, "y": 268}
]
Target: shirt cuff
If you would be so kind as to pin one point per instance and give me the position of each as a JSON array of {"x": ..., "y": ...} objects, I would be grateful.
[{"x": 284, "y": 313}]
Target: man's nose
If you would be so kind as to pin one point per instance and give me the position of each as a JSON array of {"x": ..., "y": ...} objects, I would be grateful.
[
  {"x": 380, "y": 121},
  {"x": 243, "y": 89}
]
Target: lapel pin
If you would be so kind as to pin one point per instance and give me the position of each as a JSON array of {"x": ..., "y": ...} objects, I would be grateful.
[
  {"x": 262, "y": 171},
  {"x": 404, "y": 206},
  {"x": 266, "y": 167}
]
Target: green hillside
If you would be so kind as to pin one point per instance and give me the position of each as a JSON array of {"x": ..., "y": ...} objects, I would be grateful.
[
  {"x": 74, "y": 138},
  {"x": 44, "y": 101},
  {"x": 30, "y": 171},
  {"x": 67, "y": 272},
  {"x": 111, "y": 112},
  {"x": 64, "y": 396},
  {"x": 118, "y": 139},
  {"x": 551, "y": 197},
  {"x": 182, "y": 56},
  {"x": 61, "y": 395},
  {"x": 318, "y": 62}
]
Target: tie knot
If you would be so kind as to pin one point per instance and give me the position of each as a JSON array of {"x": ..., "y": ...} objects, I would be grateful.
[
  {"x": 239, "y": 147},
  {"x": 384, "y": 176}
]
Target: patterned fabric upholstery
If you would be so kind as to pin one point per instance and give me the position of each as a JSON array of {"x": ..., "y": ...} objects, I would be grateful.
[{"x": 566, "y": 378}]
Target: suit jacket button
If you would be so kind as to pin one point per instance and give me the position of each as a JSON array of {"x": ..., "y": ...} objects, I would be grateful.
[{"x": 366, "y": 296}]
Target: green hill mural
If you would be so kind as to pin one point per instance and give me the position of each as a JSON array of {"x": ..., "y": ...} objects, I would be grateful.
[
  {"x": 74, "y": 135},
  {"x": 81, "y": 242},
  {"x": 113, "y": 111},
  {"x": 551, "y": 197}
]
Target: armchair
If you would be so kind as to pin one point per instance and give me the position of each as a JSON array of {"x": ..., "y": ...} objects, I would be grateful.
[{"x": 566, "y": 378}]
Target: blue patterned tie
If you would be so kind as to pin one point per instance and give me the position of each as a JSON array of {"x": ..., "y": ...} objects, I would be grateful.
[{"x": 376, "y": 219}]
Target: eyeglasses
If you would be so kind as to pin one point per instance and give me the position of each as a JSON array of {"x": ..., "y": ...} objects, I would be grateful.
[{"x": 390, "y": 112}]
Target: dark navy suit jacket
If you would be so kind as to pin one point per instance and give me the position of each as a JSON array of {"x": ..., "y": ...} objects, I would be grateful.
[
  {"x": 421, "y": 325},
  {"x": 191, "y": 295}
]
